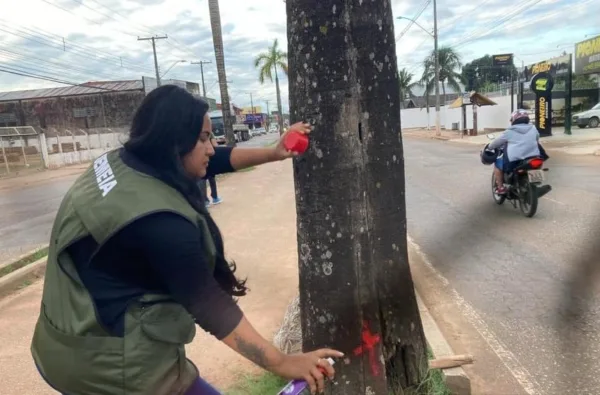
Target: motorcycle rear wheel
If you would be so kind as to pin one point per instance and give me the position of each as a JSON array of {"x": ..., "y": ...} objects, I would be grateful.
[
  {"x": 499, "y": 199},
  {"x": 528, "y": 197}
]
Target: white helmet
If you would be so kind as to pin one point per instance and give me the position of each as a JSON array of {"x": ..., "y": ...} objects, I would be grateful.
[{"x": 519, "y": 114}]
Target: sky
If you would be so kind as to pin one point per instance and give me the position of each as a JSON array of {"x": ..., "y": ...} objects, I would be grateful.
[{"x": 91, "y": 40}]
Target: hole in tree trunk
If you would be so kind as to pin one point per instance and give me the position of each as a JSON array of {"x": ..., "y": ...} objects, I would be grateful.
[{"x": 360, "y": 133}]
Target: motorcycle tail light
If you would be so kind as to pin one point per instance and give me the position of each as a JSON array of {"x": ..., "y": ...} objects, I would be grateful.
[{"x": 536, "y": 163}]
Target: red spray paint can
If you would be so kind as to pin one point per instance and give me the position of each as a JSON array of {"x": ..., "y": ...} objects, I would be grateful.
[{"x": 296, "y": 141}]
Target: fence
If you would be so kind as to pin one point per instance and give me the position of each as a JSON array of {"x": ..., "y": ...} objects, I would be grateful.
[
  {"x": 71, "y": 146},
  {"x": 488, "y": 117},
  {"x": 20, "y": 149}
]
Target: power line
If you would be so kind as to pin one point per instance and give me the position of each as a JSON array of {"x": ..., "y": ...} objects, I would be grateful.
[
  {"x": 450, "y": 23},
  {"x": 146, "y": 30},
  {"x": 14, "y": 71},
  {"x": 82, "y": 17},
  {"x": 484, "y": 31},
  {"x": 504, "y": 20},
  {"x": 412, "y": 21},
  {"x": 20, "y": 57},
  {"x": 62, "y": 46}
]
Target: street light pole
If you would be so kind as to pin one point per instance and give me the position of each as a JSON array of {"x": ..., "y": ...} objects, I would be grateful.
[
  {"x": 173, "y": 65},
  {"x": 438, "y": 130},
  {"x": 436, "y": 65}
]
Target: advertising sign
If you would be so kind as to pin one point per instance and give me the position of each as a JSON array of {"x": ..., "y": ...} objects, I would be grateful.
[
  {"x": 542, "y": 84},
  {"x": 556, "y": 67},
  {"x": 502, "y": 60},
  {"x": 587, "y": 56},
  {"x": 254, "y": 118}
]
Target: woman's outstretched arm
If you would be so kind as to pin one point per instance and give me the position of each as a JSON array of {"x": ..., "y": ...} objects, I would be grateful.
[{"x": 242, "y": 157}]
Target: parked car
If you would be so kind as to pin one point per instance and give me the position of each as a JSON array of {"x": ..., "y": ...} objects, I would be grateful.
[
  {"x": 260, "y": 131},
  {"x": 589, "y": 118}
]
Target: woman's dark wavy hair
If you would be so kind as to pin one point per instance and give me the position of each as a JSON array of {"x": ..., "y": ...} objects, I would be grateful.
[{"x": 165, "y": 128}]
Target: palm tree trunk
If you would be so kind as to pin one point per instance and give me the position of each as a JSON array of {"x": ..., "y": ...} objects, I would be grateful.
[
  {"x": 215, "y": 24},
  {"x": 280, "y": 118},
  {"x": 443, "y": 93},
  {"x": 371, "y": 223}
]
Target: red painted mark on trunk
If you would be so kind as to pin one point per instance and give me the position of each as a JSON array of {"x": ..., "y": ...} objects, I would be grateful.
[{"x": 369, "y": 341}]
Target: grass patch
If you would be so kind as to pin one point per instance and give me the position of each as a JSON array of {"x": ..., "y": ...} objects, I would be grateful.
[
  {"x": 265, "y": 384},
  {"x": 39, "y": 254},
  {"x": 434, "y": 381},
  {"x": 269, "y": 384}
]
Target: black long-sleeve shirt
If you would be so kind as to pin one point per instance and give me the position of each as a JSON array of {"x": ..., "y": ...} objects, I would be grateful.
[{"x": 161, "y": 252}]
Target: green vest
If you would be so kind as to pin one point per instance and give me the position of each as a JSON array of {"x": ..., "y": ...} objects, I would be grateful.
[{"x": 72, "y": 350}]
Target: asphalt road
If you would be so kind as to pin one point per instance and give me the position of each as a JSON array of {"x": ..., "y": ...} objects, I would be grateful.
[
  {"x": 514, "y": 272},
  {"x": 26, "y": 214}
]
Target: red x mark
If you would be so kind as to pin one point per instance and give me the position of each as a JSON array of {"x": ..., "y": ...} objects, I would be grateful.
[{"x": 369, "y": 341}]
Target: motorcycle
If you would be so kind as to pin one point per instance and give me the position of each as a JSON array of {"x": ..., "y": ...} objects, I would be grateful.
[{"x": 524, "y": 185}]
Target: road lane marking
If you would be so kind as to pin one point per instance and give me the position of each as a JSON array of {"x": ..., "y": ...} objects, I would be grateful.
[
  {"x": 509, "y": 360},
  {"x": 554, "y": 201}
]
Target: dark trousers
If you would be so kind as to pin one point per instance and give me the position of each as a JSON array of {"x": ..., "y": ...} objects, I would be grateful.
[
  {"x": 204, "y": 188},
  {"x": 213, "y": 187}
]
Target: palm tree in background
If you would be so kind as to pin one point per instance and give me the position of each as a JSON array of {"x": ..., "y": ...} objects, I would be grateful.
[
  {"x": 405, "y": 80},
  {"x": 267, "y": 64},
  {"x": 450, "y": 67},
  {"x": 215, "y": 25}
]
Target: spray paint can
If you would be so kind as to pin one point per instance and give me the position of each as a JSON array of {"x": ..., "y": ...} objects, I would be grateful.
[
  {"x": 295, "y": 141},
  {"x": 299, "y": 387}
]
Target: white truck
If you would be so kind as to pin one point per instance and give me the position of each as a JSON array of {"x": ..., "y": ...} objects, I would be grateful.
[{"x": 240, "y": 130}]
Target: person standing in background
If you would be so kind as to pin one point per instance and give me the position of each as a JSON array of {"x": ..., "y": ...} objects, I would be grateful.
[{"x": 212, "y": 182}]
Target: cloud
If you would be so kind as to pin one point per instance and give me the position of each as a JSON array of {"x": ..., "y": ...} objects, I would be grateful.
[{"x": 101, "y": 38}]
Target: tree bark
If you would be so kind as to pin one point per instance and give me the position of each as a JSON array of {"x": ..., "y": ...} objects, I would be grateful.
[
  {"x": 279, "y": 107},
  {"x": 355, "y": 279},
  {"x": 215, "y": 24}
]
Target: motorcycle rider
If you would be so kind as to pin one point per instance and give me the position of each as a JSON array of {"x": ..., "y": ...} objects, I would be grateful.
[{"x": 519, "y": 141}]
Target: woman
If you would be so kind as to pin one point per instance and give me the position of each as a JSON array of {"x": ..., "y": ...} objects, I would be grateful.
[{"x": 136, "y": 261}]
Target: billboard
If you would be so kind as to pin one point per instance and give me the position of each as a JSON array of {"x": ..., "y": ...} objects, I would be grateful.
[
  {"x": 254, "y": 118},
  {"x": 587, "y": 56},
  {"x": 556, "y": 67},
  {"x": 502, "y": 60},
  {"x": 248, "y": 110}
]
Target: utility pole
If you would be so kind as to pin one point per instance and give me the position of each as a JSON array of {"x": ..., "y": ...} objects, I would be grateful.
[
  {"x": 268, "y": 114},
  {"x": 438, "y": 130},
  {"x": 153, "y": 39},
  {"x": 251, "y": 103},
  {"x": 202, "y": 63}
]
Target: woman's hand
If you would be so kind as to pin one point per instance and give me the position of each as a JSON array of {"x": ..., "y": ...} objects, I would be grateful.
[
  {"x": 311, "y": 367},
  {"x": 280, "y": 152}
]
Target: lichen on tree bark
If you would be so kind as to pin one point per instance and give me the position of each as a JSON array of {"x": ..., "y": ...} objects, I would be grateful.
[{"x": 350, "y": 198}]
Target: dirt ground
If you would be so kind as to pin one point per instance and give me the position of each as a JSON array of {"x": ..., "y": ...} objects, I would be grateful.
[{"x": 257, "y": 219}]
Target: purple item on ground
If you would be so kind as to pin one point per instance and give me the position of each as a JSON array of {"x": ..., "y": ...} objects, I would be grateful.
[
  {"x": 201, "y": 387},
  {"x": 298, "y": 387}
]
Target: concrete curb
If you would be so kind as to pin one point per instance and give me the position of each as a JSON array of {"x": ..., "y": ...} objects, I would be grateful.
[
  {"x": 23, "y": 256},
  {"x": 13, "y": 281},
  {"x": 456, "y": 379}
]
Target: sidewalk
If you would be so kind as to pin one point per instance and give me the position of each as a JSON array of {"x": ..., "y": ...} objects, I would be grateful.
[
  {"x": 40, "y": 176},
  {"x": 259, "y": 235}
]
